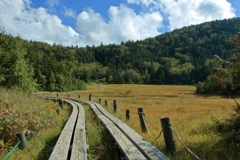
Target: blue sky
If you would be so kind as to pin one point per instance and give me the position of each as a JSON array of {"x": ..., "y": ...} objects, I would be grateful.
[{"x": 90, "y": 22}]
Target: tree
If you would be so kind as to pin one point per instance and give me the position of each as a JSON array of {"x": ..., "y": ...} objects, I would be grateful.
[
  {"x": 15, "y": 69},
  {"x": 226, "y": 73}
]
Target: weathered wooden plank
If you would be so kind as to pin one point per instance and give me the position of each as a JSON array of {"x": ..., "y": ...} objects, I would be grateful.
[
  {"x": 130, "y": 151},
  {"x": 146, "y": 148},
  {"x": 79, "y": 146},
  {"x": 60, "y": 151},
  {"x": 150, "y": 151}
]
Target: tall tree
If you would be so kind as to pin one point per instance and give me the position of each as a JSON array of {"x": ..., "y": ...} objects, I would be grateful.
[{"x": 15, "y": 69}]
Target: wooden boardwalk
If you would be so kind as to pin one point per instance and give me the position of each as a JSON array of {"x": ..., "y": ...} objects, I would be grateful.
[
  {"x": 71, "y": 143},
  {"x": 132, "y": 145}
]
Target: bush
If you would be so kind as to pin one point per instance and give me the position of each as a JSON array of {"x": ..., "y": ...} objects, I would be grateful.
[{"x": 209, "y": 86}]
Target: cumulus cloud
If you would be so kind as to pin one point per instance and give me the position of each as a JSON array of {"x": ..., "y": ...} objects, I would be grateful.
[
  {"x": 124, "y": 24},
  {"x": 181, "y": 13},
  {"x": 35, "y": 24},
  {"x": 186, "y": 12}
]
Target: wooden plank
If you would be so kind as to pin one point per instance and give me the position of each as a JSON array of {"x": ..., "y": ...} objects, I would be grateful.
[
  {"x": 79, "y": 146},
  {"x": 130, "y": 151},
  {"x": 150, "y": 151},
  {"x": 60, "y": 151},
  {"x": 146, "y": 148}
]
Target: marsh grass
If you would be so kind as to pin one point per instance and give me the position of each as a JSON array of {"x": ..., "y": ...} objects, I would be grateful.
[
  {"x": 190, "y": 116},
  {"x": 21, "y": 111}
]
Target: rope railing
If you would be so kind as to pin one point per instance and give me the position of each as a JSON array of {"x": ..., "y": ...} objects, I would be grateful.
[
  {"x": 133, "y": 116},
  {"x": 184, "y": 144},
  {"x": 165, "y": 124},
  {"x": 120, "y": 111},
  {"x": 153, "y": 136},
  {"x": 147, "y": 131}
]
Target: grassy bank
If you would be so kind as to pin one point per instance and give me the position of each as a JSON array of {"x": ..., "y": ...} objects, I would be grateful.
[{"x": 20, "y": 111}]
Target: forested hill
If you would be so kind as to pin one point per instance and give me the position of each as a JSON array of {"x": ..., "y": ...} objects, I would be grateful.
[{"x": 182, "y": 56}]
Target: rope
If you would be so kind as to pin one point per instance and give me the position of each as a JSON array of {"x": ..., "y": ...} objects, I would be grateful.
[
  {"x": 154, "y": 137},
  {"x": 184, "y": 144},
  {"x": 120, "y": 111},
  {"x": 9, "y": 153},
  {"x": 132, "y": 116}
]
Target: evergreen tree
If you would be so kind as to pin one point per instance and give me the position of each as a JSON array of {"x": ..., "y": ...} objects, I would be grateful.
[{"x": 15, "y": 69}]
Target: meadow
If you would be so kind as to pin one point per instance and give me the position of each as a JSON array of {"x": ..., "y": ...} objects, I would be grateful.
[{"x": 191, "y": 116}]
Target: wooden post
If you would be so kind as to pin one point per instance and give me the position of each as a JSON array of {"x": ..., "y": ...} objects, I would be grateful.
[
  {"x": 60, "y": 103},
  {"x": 167, "y": 133},
  {"x": 100, "y": 100},
  {"x": 21, "y": 136},
  {"x": 68, "y": 95},
  {"x": 106, "y": 103},
  {"x": 78, "y": 96},
  {"x": 142, "y": 120},
  {"x": 58, "y": 111},
  {"x": 127, "y": 114},
  {"x": 57, "y": 94},
  {"x": 90, "y": 97},
  {"x": 115, "y": 105}
]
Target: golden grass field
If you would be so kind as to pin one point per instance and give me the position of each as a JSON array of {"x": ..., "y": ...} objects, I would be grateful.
[{"x": 189, "y": 115}]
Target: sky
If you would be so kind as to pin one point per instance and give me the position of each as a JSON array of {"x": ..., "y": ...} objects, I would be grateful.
[{"x": 92, "y": 22}]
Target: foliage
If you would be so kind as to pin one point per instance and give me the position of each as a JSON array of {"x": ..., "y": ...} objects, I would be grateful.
[
  {"x": 15, "y": 69},
  {"x": 228, "y": 129},
  {"x": 225, "y": 78},
  {"x": 177, "y": 57},
  {"x": 209, "y": 86},
  {"x": 20, "y": 111}
]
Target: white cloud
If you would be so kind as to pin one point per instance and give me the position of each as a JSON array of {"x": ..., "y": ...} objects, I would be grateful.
[
  {"x": 18, "y": 17},
  {"x": 124, "y": 24},
  {"x": 181, "y": 13},
  {"x": 69, "y": 12},
  {"x": 35, "y": 24},
  {"x": 186, "y": 12}
]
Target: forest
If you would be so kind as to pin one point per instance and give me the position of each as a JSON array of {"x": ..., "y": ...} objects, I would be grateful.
[{"x": 183, "y": 56}]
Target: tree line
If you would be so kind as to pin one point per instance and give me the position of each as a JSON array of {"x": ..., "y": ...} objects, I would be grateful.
[{"x": 183, "y": 56}]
